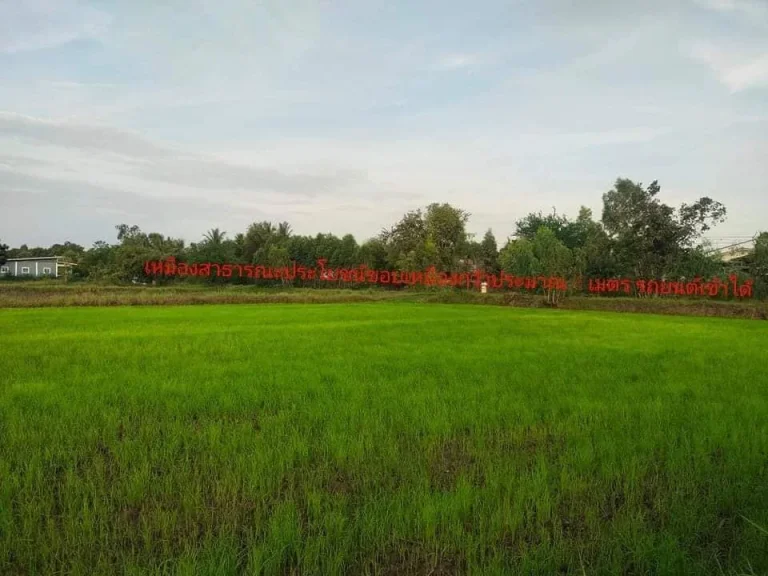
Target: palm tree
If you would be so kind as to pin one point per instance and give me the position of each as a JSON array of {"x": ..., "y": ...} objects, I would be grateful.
[
  {"x": 284, "y": 230},
  {"x": 214, "y": 237}
]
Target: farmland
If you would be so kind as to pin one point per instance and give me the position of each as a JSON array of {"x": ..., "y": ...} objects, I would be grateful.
[{"x": 381, "y": 438}]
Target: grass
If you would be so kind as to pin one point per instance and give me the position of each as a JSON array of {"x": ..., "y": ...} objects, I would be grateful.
[
  {"x": 50, "y": 293},
  {"x": 388, "y": 438}
]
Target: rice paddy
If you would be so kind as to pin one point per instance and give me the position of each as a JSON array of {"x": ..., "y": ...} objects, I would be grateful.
[{"x": 381, "y": 438}]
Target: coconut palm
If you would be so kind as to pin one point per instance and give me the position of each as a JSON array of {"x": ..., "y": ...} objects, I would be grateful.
[{"x": 214, "y": 237}]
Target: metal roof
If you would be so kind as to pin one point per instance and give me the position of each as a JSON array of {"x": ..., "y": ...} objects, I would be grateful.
[{"x": 35, "y": 258}]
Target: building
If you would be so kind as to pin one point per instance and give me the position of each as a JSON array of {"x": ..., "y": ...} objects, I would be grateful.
[
  {"x": 737, "y": 254},
  {"x": 39, "y": 267}
]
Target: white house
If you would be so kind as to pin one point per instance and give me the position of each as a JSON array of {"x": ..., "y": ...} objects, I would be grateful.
[{"x": 51, "y": 266}]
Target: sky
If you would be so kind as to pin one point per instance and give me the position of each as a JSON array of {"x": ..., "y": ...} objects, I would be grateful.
[{"x": 340, "y": 116}]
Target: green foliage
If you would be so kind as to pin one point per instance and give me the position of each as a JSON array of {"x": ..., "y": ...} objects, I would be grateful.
[
  {"x": 346, "y": 254},
  {"x": 256, "y": 241},
  {"x": 406, "y": 239},
  {"x": 759, "y": 266},
  {"x": 380, "y": 439},
  {"x": 373, "y": 253},
  {"x": 518, "y": 258},
  {"x": 445, "y": 228},
  {"x": 436, "y": 237},
  {"x": 649, "y": 236},
  {"x": 637, "y": 237},
  {"x": 98, "y": 263},
  {"x": 488, "y": 254},
  {"x": 136, "y": 247},
  {"x": 696, "y": 263},
  {"x": 3, "y": 253}
]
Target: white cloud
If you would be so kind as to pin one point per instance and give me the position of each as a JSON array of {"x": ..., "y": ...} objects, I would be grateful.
[
  {"x": 457, "y": 61},
  {"x": 135, "y": 155},
  {"x": 37, "y": 24},
  {"x": 752, "y": 8},
  {"x": 735, "y": 70}
]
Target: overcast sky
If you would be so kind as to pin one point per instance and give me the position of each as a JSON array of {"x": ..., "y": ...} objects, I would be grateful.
[{"x": 339, "y": 116}]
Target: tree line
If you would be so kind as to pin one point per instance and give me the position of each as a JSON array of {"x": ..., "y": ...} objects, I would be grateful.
[{"x": 637, "y": 236}]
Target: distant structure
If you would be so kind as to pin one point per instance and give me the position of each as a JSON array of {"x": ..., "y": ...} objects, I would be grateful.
[
  {"x": 39, "y": 267},
  {"x": 736, "y": 254}
]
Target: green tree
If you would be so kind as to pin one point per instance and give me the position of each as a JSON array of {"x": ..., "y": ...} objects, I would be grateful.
[
  {"x": 649, "y": 236},
  {"x": 518, "y": 258},
  {"x": 215, "y": 247},
  {"x": 283, "y": 232},
  {"x": 406, "y": 239},
  {"x": 571, "y": 233},
  {"x": 373, "y": 253},
  {"x": 554, "y": 258},
  {"x": 445, "y": 226},
  {"x": 346, "y": 254},
  {"x": 3, "y": 253},
  {"x": 302, "y": 250},
  {"x": 759, "y": 265},
  {"x": 239, "y": 246},
  {"x": 488, "y": 253},
  {"x": 257, "y": 240},
  {"x": 214, "y": 237},
  {"x": 98, "y": 263},
  {"x": 278, "y": 257},
  {"x": 136, "y": 247},
  {"x": 593, "y": 255}
]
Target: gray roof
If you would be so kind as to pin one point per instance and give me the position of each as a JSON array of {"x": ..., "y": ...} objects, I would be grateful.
[{"x": 35, "y": 258}]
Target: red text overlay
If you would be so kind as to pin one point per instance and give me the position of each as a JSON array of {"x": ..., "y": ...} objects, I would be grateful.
[{"x": 431, "y": 277}]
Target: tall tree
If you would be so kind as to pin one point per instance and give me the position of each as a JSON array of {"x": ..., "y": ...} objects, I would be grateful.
[
  {"x": 284, "y": 231},
  {"x": 489, "y": 253},
  {"x": 346, "y": 254},
  {"x": 649, "y": 235},
  {"x": 445, "y": 226},
  {"x": 554, "y": 257},
  {"x": 3, "y": 253},
  {"x": 214, "y": 237},
  {"x": 373, "y": 253},
  {"x": 759, "y": 265},
  {"x": 258, "y": 238},
  {"x": 136, "y": 247},
  {"x": 405, "y": 241},
  {"x": 518, "y": 258},
  {"x": 571, "y": 233}
]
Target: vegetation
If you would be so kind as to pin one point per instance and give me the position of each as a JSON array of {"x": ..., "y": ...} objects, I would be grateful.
[
  {"x": 38, "y": 294},
  {"x": 381, "y": 439},
  {"x": 638, "y": 236}
]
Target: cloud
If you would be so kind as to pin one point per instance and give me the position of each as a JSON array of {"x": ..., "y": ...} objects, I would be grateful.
[
  {"x": 457, "y": 61},
  {"x": 736, "y": 71},
  {"x": 38, "y": 24},
  {"x": 11, "y": 161},
  {"x": 85, "y": 137},
  {"x": 45, "y": 203},
  {"x": 752, "y": 8},
  {"x": 140, "y": 157},
  {"x": 207, "y": 174}
]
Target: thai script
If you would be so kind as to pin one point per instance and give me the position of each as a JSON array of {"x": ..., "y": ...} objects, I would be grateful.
[
  {"x": 360, "y": 275},
  {"x": 431, "y": 277},
  {"x": 694, "y": 287}
]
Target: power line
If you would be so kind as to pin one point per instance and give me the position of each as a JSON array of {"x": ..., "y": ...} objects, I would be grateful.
[{"x": 750, "y": 241}]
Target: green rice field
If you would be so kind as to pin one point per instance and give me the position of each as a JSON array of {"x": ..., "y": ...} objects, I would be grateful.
[{"x": 381, "y": 438}]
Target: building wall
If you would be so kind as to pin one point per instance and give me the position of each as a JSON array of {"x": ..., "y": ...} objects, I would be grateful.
[{"x": 36, "y": 267}]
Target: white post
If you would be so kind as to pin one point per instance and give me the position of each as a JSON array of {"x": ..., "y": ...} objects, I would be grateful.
[
  {"x": 15, "y": 268},
  {"x": 36, "y": 269}
]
